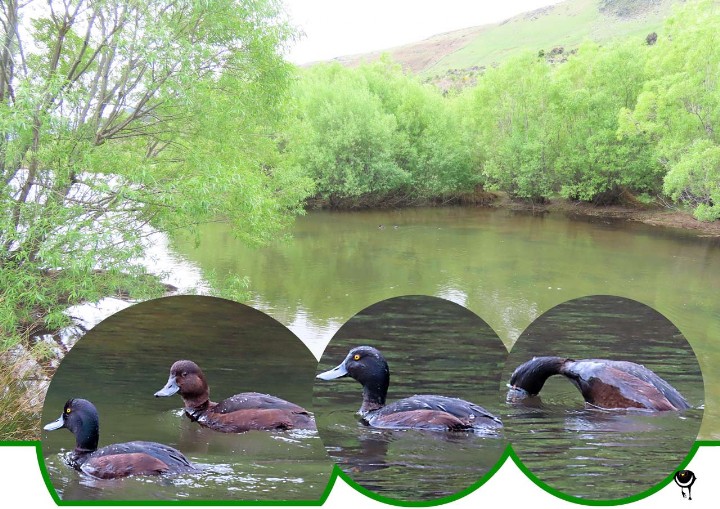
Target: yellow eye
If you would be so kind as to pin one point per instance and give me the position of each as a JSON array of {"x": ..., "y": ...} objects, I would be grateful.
[
  {"x": 356, "y": 356},
  {"x": 68, "y": 410}
]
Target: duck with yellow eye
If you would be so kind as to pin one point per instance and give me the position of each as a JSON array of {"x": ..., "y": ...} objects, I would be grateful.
[
  {"x": 113, "y": 461},
  {"x": 441, "y": 413}
]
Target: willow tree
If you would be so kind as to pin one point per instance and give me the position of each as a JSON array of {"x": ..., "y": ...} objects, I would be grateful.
[
  {"x": 679, "y": 107},
  {"x": 595, "y": 163},
  {"x": 121, "y": 115},
  {"x": 513, "y": 125}
]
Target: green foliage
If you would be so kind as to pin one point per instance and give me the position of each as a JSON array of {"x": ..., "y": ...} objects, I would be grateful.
[
  {"x": 433, "y": 150},
  {"x": 121, "y": 116},
  {"x": 679, "y": 107},
  {"x": 596, "y": 164},
  {"x": 343, "y": 138},
  {"x": 611, "y": 120},
  {"x": 375, "y": 135},
  {"x": 695, "y": 178},
  {"x": 512, "y": 123}
]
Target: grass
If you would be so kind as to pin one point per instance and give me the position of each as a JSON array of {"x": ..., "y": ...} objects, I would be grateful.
[
  {"x": 21, "y": 399},
  {"x": 566, "y": 24}
]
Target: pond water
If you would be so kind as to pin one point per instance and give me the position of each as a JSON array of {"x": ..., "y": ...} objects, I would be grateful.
[
  {"x": 504, "y": 266},
  {"x": 593, "y": 453},
  {"x": 507, "y": 268},
  {"x": 432, "y": 347},
  {"x": 124, "y": 360}
]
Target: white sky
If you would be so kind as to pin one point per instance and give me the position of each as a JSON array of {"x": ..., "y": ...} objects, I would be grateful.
[{"x": 336, "y": 28}]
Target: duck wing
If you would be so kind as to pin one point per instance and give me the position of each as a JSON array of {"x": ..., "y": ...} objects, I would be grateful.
[
  {"x": 621, "y": 383},
  {"x": 256, "y": 400},
  {"x": 163, "y": 452},
  {"x": 134, "y": 458},
  {"x": 466, "y": 412},
  {"x": 641, "y": 372}
]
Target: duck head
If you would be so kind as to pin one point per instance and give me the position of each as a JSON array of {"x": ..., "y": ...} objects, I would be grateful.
[
  {"x": 81, "y": 418},
  {"x": 187, "y": 378},
  {"x": 366, "y": 365},
  {"x": 528, "y": 378}
]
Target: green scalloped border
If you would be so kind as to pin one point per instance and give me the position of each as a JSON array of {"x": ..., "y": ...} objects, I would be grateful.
[{"x": 336, "y": 472}]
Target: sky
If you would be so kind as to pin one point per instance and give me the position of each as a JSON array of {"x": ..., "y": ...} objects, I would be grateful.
[{"x": 336, "y": 28}]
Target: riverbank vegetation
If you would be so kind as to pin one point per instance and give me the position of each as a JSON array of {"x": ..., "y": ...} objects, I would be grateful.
[
  {"x": 633, "y": 120},
  {"x": 118, "y": 119}
]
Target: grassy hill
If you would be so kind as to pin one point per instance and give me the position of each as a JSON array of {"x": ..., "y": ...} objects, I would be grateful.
[{"x": 564, "y": 25}]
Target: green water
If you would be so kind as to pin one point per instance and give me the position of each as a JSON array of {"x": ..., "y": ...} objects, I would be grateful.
[
  {"x": 124, "y": 360},
  {"x": 432, "y": 347},
  {"x": 603, "y": 454},
  {"x": 508, "y": 268}
]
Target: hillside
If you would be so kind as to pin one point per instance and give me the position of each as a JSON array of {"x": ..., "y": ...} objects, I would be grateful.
[{"x": 564, "y": 25}]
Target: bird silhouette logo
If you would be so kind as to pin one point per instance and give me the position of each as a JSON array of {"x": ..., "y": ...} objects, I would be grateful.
[{"x": 685, "y": 479}]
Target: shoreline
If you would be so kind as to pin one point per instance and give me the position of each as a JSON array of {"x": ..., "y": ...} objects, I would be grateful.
[
  {"x": 630, "y": 210},
  {"x": 652, "y": 215}
]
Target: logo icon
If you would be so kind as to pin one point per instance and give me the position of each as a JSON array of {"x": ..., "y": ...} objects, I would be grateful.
[{"x": 685, "y": 479}]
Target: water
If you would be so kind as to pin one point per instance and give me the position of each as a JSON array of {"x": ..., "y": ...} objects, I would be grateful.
[
  {"x": 508, "y": 268},
  {"x": 434, "y": 347},
  {"x": 603, "y": 454},
  {"x": 123, "y": 361}
]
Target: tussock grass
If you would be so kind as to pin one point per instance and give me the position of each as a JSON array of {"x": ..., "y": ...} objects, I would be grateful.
[{"x": 22, "y": 393}]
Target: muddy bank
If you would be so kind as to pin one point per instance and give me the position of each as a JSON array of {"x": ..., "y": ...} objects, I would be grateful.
[
  {"x": 629, "y": 208},
  {"x": 649, "y": 214}
]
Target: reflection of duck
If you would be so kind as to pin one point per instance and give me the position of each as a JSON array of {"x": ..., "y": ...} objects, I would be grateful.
[
  {"x": 237, "y": 414},
  {"x": 117, "y": 460},
  {"x": 367, "y": 365},
  {"x": 603, "y": 383}
]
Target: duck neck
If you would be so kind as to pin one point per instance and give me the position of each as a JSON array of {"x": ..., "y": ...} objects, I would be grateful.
[
  {"x": 374, "y": 394},
  {"x": 196, "y": 412},
  {"x": 532, "y": 375},
  {"x": 87, "y": 436},
  {"x": 195, "y": 407},
  {"x": 199, "y": 400}
]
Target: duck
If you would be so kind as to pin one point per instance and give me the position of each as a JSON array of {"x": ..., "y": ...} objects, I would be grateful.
[
  {"x": 367, "y": 365},
  {"x": 113, "y": 461},
  {"x": 603, "y": 383},
  {"x": 237, "y": 414}
]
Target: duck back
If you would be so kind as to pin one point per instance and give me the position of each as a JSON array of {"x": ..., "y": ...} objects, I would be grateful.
[
  {"x": 253, "y": 411},
  {"x": 432, "y": 412},
  {"x": 623, "y": 384},
  {"x": 132, "y": 458}
]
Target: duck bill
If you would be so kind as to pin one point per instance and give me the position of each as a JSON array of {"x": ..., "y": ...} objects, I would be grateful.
[
  {"x": 59, "y": 423},
  {"x": 171, "y": 387},
  {"x": 516, "y": 394},
  {"x": 337, "y": 372}
]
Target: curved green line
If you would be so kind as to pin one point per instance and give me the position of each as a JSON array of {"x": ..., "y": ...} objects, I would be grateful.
[
  {"x": 427, "y": 503},
  {"x": 620, "y": 501},
  {"x": 338, "y": 473}
]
